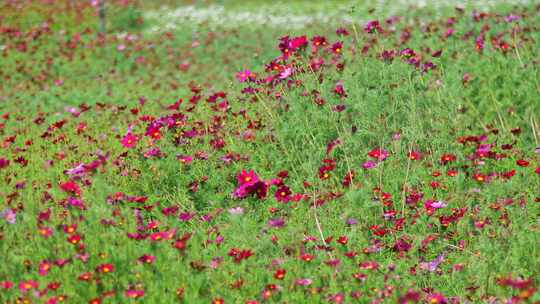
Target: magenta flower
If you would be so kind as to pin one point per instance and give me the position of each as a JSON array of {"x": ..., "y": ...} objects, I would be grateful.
[
  {"x": 185, "y": 159},
  {"x": 369, "y": 165},
  {"x": 25, "y": 286},
  {"x": 245, "y": 75},
  {"x": 134, "y": 293},
  {"x": 372, "y": 27},
  {"x": 247, "y": 178},
  {"x": 129, "y": 140},
  {"x": 4, "y": 163},
  {"x": 276, "y": 222}
]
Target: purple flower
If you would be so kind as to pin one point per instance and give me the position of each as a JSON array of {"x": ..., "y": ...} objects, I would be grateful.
[
  {"x": 351, "y": 221},
  {"x": 186, "y": 216},
  {"x": 78, "y": 170},
  {"x": 512, "y": 18},
  {"x": 432, "y": 265},
  {"x": 9, "y": 215},
  {"x": 276, "y": 222},
  {"x": 76, "y": 203},
  {"x": 369, "y": 165}
]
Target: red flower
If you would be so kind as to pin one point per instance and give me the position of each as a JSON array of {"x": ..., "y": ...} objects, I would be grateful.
[
  {"x": 44, "y": 267},
  {"x": 307, "y": 257},
  {"x": 414, "y": 155},
  {"x": 71, "y": 187},
  {"x": 337, "y": 47},
  {"x": 86, "y": 276},
  {"x": 522, "y": 163},
  {"x": 479, "y": 177},
  {"x": 74, "y": 239},
  {"x": 339, "y": 90},
  {"x": 372, "y": 27},
  {"x": 95, "y": 301},
  {"x": 240, "y": 254},
  {"x": 105, "y": 268},
  {"x": 147, "y": 259},
  {"x": 283, "y": 194},
  {"x": 343, "y": 240},
  {"x": 445, "y": 158},
  {"x": 280, "y": 274},
  {"x": 25, "y": 286},
  {"x": 379, "y": 154},
  {"x": 3, "y": 163}
]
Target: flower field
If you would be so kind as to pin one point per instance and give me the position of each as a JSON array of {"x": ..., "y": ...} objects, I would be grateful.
[{"x": 270, "y": 152}]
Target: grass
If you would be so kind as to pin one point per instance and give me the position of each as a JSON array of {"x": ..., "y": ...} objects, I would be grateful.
[{"x": 387, "y": 173}]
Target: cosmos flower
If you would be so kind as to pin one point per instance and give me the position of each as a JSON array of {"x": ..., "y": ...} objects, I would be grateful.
[
  {"x": 303, "y": 282},
  {"x": 9, "y": 215},
  {"x": 236, "y": 211},
  {"x": 369, "y": 165},
  {"x": 245, "y": 75},
  {"x": 276, "y": 222},
  {"x": 378, "y": 154},
  {"x": 129, "y": 140}
]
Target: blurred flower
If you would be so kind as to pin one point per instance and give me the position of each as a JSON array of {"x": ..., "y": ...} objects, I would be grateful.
[{"x": 9, "y": 215}]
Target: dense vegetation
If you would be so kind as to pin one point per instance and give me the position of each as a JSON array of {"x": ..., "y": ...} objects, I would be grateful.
[{"x": 377, "y": 156}]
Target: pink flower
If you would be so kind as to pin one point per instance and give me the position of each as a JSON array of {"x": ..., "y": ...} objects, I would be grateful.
[
  {"x": 429, "y": 204},
  {"x": 236, "y": 211},
  {"x": 245, "y": 75},
  {"x": 436, "y": 298},
  {"x": 303, "y": 282},
  {"x": 134, "y": 293},
  {"x": 286, "y": 73},
  {"x": 44, "y": 267},
  {"x": 245, "y": 177},
  {"x": 185, "y": 159},
  {"x": 146, "y": 259},
  {"x": 6, "y": 284},
  {"x": 129, "y": 140},
  {"x": 25, "y": 286}
]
